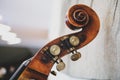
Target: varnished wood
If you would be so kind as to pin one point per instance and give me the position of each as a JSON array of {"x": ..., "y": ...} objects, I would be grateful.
[{"x": 41, "y": 64}]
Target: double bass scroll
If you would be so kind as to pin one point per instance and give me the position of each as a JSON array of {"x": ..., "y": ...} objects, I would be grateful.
[{"x": 78, "y": 17}]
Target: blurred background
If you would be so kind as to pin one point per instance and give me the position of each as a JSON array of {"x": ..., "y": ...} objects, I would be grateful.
[
  {"x": 27, "y": 25},
  {"x": 28, "y": 20},
  {"x": 24, "y": 28}
]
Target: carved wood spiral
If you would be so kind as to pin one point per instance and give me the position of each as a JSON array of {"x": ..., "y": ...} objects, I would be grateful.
[{"x": 77, "y": 17}]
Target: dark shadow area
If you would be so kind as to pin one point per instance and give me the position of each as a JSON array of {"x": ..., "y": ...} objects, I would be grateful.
[{"x": 11, "y": 58}]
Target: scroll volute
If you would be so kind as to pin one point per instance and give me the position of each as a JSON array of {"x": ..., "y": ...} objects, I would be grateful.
[
  {"x": 78, "y": 17},
  {"x": 83, "y": 17}
]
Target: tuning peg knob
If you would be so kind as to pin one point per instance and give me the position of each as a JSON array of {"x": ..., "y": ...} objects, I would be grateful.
[
  {"x": 76, "y": 56},
  {"x": 60, "y": 65}
]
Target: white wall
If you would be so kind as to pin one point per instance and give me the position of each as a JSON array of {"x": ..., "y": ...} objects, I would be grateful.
[{"x": 27, "y": 13}]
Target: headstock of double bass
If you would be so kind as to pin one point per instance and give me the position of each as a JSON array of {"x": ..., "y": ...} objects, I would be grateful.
[{"x": 78, "y": 17}]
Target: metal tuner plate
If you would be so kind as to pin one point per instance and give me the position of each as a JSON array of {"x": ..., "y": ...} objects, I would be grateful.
[
  {"x": 55, "y": 50},
  {"x": 74, "y": 41}
]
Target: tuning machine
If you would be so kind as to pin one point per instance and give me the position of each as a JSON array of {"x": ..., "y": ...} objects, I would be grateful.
[
  {"x": 74, "y": 40},
  {"x": 76, "y": 55},
  {"x": 60, "y": 65},
  {"x": 55, "y": 51}
]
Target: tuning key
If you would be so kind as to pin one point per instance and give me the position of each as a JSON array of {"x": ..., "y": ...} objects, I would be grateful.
[
  {"x": 75, "y": 56},
  {"x": 60, "y": 65}
]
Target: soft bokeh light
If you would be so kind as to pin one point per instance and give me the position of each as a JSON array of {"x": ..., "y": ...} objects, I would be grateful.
[
  {"x": 4, "y": 28},
  {"x": 7, "y": 35},
  {"x": 3, "y": 71},
  {"x": 14, "y": 41}
]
